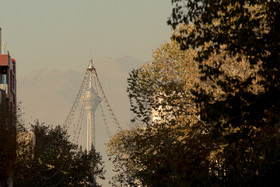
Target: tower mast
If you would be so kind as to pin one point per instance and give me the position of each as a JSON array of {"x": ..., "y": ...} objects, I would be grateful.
[{"x": 90, "y": 102}]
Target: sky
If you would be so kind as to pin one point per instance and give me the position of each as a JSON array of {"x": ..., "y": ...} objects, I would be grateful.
[{"x": 60, "y": 34}]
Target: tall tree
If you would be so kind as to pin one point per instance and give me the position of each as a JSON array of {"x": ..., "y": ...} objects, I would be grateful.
[
  {"x": 159, "y": 151},
  {"x": 183, "y": 118},
  {"x": 245, "y": 121},
  {"x": 249, "y": 28}
]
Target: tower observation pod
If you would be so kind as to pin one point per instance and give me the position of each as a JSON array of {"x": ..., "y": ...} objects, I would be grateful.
[
  {"x": 90, "y": 102},
  {"x": 90, "y": 99}
]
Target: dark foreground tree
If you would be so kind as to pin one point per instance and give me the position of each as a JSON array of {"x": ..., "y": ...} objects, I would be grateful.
[
  {"x": 157, "y": 157},
  {"x": 52, "y": 160},
  {"x": 245, "y": 121},
  {"x": 247, "y": 28}
]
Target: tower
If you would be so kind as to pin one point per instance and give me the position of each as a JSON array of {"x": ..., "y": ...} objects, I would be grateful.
[
  {"x": 90, "y": 102},
  {"x": 90, "y": 97}
]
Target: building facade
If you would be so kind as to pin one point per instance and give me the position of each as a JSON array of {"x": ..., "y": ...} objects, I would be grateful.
[
  {"x": 7, "y": 116},
  {"x": 7, "y": 80}
]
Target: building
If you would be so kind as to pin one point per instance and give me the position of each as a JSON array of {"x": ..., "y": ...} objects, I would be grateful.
[
  {"x": 7, "y": 115},
  {"x": 7, "y": 80}
]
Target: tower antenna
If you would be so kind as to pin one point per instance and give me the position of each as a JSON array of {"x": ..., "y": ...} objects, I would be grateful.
[{"x": 91, "y": 53}]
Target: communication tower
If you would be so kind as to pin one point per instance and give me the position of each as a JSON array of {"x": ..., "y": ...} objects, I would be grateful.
[{"x": 90, "y": 102}]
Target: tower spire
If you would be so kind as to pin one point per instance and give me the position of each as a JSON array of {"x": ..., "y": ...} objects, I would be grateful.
[
  {"x": 90, "y": 66},
  {"x": 90, "y": 102}
]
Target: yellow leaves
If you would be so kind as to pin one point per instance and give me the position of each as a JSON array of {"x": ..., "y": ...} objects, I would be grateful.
[
  {"x": 183, "y": 30},
  {"x": 40, "y": 161},
  {"x": 216, "y": 22},
  {"x": 50, "y": 166},
  {"x": 115, "y": 144},
  {"x": 170, "y": 63},
  {"x": 215, "y": 154},
  {"x": 58, "y": 156}
]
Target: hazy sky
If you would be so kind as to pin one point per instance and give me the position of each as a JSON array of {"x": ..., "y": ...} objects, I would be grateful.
[{"x": 59, "y": 34}]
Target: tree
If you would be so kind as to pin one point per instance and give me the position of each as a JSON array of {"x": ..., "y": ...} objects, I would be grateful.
[
  {"x": 179, "y": 92},
  {"x": 158, "y": 158},
  {"x": 87, "y": 167},
  {"x": 162, "y": 86},
  {"x": 248, "y": 28},
  {"x": 54, "y": 160},
  {"x": 245, "y": 120},
  {"x": 159, "y": 151}
]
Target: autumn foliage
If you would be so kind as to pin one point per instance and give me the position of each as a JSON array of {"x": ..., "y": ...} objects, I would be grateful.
[{"x": 207, "y": 106}]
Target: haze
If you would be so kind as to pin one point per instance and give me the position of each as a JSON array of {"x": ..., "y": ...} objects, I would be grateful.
[
  {"x": 60, "y": 34},
  {"x": 52, "y": 43}
]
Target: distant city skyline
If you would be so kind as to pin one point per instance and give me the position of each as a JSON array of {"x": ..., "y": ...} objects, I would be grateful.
[{"x": 61, "y": 34}]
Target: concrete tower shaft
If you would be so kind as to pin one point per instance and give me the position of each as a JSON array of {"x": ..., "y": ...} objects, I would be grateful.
[{"x": 90, "y": 101}]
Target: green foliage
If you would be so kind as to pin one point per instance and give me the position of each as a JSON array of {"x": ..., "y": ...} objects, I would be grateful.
[{"x": 54, "y": 160}]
